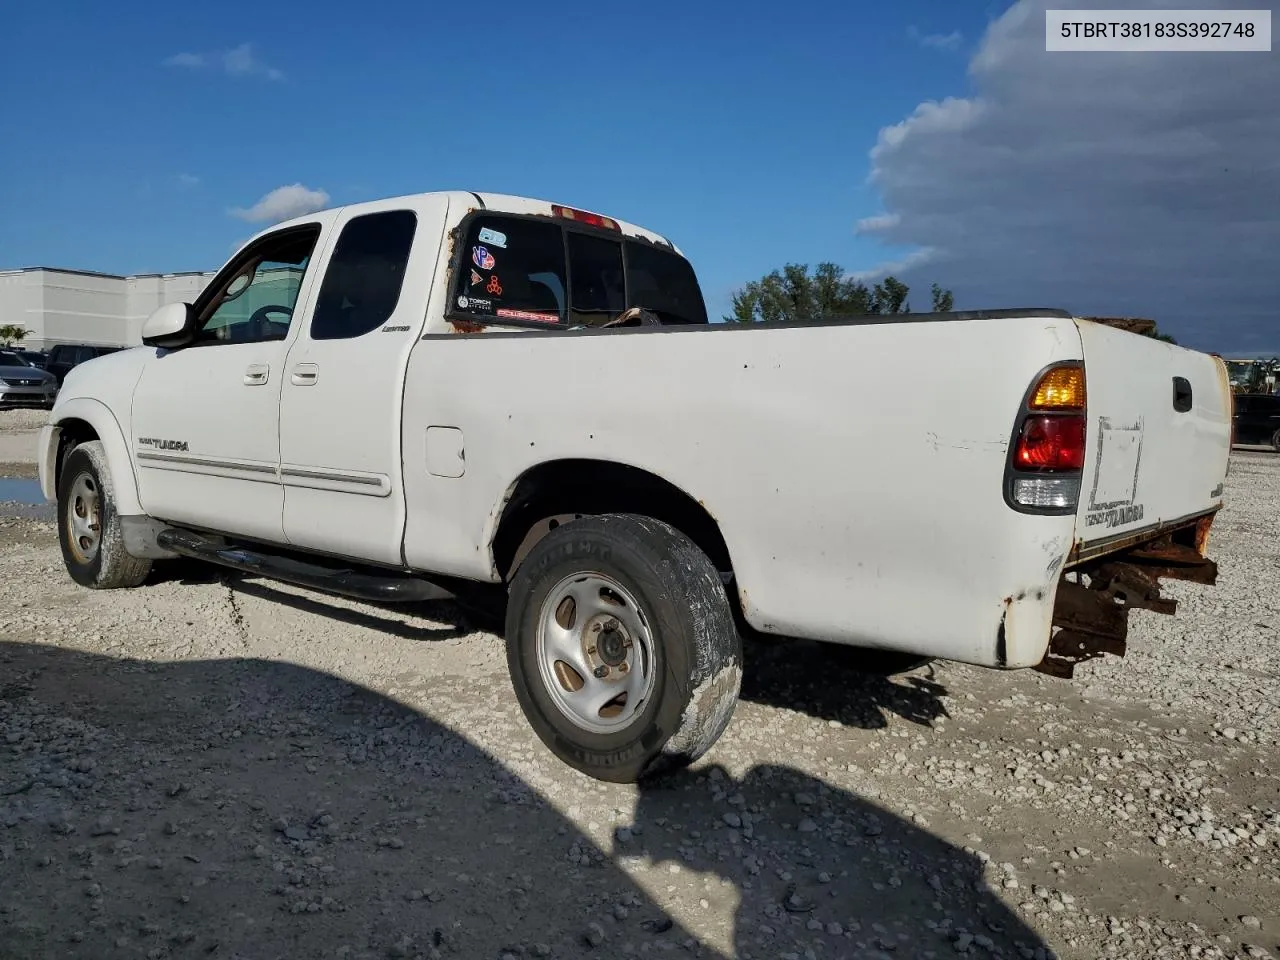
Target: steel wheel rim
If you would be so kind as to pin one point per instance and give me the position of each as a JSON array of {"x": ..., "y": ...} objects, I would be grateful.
[
  {"x": 595, "y": 652},
  {"x": 84, "y": 518}
]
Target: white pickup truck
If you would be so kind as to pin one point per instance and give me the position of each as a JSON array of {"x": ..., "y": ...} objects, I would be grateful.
[{"x": 483, "y": 392}]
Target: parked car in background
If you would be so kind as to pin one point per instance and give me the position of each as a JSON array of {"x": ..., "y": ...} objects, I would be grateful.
[
  {"x": 37, "y": 358},
  {"x": 63, "y": 357},
  {"x": 23, "y": 384},
  {"x": 1256, "y": 419}
]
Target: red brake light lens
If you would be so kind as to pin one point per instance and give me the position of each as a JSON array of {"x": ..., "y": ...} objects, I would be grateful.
[
  {"x": 1051, "y": 443},
  {"x": 582, "y": 216}
]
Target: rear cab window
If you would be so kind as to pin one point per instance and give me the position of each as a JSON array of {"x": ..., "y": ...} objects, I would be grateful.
[{"x": 523, "y": 271}]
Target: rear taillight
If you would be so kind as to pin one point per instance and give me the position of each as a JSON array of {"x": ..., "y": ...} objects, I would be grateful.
[
  {"x": 1051, "y": 443},
  {"x": 1046, "y": 459}
]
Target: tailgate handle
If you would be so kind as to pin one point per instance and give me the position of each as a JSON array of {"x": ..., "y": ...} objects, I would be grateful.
[{"x": 1181, "y": 394}]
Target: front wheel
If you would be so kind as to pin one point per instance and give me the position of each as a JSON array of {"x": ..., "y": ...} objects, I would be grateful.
[
  {"x": 88, "y": 526},
  {"x": 622, "y": 647},
  {"x": 1275, "y": 441}
]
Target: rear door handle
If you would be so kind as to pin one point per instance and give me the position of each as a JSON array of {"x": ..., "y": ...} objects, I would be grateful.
[
  {"x": 257, "y": 374},
  {"x": 305, "y": 374},
  {"x": 1181, "y": 394}
]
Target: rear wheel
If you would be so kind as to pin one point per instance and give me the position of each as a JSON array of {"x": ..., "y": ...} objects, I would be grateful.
[
  {"x": 622, "y": 647},
  {"x": 1275, "y": 441},
  {"x": 88, "y": 526}
]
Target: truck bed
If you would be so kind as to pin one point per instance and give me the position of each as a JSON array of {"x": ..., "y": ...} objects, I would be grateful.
[{"x": 854, "y": 469}]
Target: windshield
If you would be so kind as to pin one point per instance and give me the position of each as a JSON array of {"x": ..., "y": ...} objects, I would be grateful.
[{"x": 534, "y": 270}]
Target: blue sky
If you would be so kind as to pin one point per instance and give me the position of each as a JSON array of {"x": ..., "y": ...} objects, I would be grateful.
[{"x": 744, "y": 131}]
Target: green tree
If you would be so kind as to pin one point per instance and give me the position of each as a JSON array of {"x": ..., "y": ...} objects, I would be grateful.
[
  {"x": 943, "y": 302},
  {"x": 11, "y": 334},
  {"x": 793, "y": 293}
]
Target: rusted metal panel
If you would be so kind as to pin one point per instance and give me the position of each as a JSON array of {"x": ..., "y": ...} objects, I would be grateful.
[
  {"x": 1091, "y": 612},
  {"x": 1082, "y": 552},
  {"x": 1176, "y": 561}
]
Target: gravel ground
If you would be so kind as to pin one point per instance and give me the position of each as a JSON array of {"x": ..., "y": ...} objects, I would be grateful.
[{"x": 213, "y": 765}]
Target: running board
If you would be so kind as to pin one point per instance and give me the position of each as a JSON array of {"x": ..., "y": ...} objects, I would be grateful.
[{"x": 340, "y": 580}]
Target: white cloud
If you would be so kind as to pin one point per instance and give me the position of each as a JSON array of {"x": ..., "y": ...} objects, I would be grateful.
[
  {"x": 284, "y": 203},
  {"x": 237, "y": 62},
  {"x": 882, "y": 221},
  {"x": 1141, "y": 184},
  {"x": 240, "y": 61},
  {"x": 895, "y": 268},
  {"x": 936, "y": 41},
  {"x": 187, "y": 180},
  {"x": 191, "y": 60}
]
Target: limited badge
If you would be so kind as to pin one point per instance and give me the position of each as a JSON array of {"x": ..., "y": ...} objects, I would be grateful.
[
  {"x": 493, "y": 237},
  {"x": 482, "y": 258},
  {"x": 476, "y": 278}
]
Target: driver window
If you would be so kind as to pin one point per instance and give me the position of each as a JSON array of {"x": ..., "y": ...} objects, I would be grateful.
[{"x": 257, "y": 300}]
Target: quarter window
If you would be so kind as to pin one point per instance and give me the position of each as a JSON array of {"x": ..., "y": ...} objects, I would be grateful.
[{"x": 365, "y": 275}]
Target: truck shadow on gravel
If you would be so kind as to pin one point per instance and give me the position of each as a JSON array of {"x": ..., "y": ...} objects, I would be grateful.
[
  {"x": 245, "y": 808},
  {"x": 816, "y": 678},
  {"x": 825, "y": 682}
]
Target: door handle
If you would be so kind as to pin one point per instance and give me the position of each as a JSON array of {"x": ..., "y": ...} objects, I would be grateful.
[
  {"x": 1181, "y": 394},
  {"x": 257, "y": 374},
  {"x": 305, "y": 374}
]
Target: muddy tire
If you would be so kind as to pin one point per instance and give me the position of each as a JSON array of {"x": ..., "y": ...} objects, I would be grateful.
[
  {"x": 88, "y": 526},
  {"x": 622, "y": 647}
]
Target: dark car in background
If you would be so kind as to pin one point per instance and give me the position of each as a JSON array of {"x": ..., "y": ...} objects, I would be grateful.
[
  {"x": 37, "y": 358},
  {"x": 64, "y": 356},
  {"x": 1256, "y": 419}
]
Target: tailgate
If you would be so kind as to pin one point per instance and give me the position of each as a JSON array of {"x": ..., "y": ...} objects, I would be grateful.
[{"x": 1158, "y": 437}]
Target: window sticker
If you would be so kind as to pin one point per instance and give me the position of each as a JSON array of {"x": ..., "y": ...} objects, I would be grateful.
[
  {"x": 482, "y": 258},
  {"x": 527, "y": 315},
  {"x": 493, "y": 238}
]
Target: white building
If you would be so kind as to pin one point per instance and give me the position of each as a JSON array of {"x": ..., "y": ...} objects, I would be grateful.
[{"x": 77, "y": 306}]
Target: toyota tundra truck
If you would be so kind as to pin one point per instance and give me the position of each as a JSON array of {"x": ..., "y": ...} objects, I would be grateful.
[{"x": 509, "y": 398}]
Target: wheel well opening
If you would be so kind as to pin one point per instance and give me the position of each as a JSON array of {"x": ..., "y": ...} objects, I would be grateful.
[
  {"x": 70, "y": 434},
  {"x": 562, "y": 490}
]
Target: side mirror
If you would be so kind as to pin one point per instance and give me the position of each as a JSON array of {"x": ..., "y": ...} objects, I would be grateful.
[{"x": 171, "y": 326}]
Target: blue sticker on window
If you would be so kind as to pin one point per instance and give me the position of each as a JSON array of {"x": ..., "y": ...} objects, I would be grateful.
[
  {"x": 482, "y": 258},
  {"x": 493, "y": 237}
]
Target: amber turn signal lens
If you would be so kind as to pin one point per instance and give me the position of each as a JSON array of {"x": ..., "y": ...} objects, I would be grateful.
[{"x": 1061, "y": 388}]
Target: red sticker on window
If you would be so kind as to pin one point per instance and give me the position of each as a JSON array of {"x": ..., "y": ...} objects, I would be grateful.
[{"x": 528, "y": 315}]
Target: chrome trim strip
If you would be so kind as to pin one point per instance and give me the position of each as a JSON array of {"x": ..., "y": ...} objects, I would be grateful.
[{"x": 332, "y": 476}]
